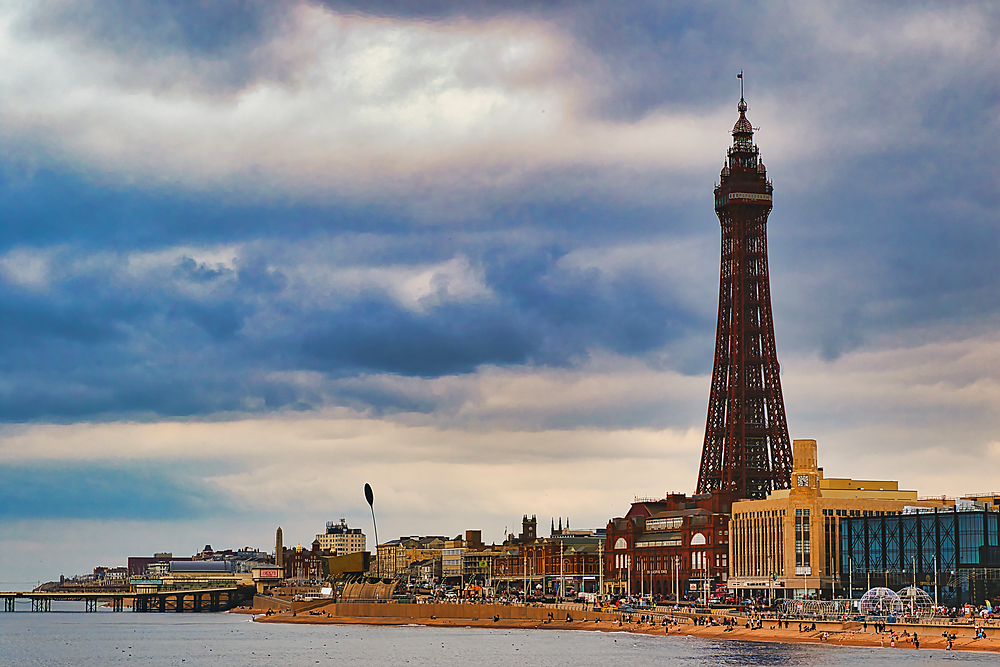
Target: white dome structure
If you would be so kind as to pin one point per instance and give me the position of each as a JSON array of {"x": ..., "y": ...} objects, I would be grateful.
[
  {"x": 916, "y": 602},
  {"x": 881, "y": 602}
]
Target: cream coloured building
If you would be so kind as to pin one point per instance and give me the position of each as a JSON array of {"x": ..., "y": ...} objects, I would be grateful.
[
  {"x": 788, "y": 545},
  {"x": 341, "y": 540}
]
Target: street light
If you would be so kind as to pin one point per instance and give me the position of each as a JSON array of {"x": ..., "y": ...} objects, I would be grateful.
[{"x": 934, "y": 560}]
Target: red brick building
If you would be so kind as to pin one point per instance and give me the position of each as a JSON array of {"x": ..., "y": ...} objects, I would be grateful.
[
  {"x": 304, "y": 565},
  {"x": 676, "y": 543},
  {"x": 575, "y": 560}
]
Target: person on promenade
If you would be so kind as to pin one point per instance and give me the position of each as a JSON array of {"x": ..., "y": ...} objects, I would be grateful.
[{"x": 916, "y": 642}]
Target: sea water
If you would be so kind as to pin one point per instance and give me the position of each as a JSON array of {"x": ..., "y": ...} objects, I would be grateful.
[{"x": 69, "y": 636}]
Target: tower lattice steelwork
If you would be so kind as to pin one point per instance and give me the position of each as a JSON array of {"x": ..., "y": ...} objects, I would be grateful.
[{"x": 746, "y": 446}]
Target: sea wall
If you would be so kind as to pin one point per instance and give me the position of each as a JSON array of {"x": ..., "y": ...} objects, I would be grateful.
[{"x": 417, "y": 612}]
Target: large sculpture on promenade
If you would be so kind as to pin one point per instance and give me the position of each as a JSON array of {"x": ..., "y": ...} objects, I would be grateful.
[{"x": 746, "y": 450}]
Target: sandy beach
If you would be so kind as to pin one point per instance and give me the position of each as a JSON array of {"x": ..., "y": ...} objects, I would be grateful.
[{"x": 932, "y": 639}]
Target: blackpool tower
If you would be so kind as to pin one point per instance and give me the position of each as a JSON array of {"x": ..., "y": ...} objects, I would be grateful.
[{"x": 746, "y": 448}]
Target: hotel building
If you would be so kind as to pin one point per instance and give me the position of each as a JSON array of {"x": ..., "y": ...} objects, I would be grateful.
[{"x": 341, "y": 540}]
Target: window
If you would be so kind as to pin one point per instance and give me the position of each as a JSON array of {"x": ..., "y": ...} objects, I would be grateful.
[
  {"x": 672, "y": 523},
  {"x": 946, "y": 526},
  {"x": 803, "y": 546},
  {"x": 830, "y": 544},
  {"x": 970, "y": 537}
]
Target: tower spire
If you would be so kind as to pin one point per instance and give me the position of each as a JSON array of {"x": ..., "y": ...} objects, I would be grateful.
[{"x": 746, "y": 447}]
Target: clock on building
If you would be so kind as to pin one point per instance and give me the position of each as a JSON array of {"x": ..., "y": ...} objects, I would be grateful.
[{"x": 803, "y": 480}]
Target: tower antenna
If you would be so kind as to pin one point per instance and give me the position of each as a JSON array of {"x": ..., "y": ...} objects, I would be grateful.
[{"x": 740, "y": 77}]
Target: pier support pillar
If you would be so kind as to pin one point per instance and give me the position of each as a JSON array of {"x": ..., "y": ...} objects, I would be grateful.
[
  {"x": 91, "y": 604},
  {"x": 8, "y": 604}
]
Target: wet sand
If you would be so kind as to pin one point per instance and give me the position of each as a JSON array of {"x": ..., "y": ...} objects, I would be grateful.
[{"x": 931, "y": 640}]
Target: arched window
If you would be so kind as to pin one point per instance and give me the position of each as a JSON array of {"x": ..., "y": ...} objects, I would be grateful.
[
  {"x": 698, "y": 538},
  {"x": 622, "y": 544}
]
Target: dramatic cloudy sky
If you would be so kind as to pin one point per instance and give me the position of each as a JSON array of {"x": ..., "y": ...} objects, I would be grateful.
[{"x": 254, "y": 254}]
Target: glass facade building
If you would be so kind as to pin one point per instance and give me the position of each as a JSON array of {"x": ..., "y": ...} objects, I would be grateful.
[{"x": 956, "y": 551}]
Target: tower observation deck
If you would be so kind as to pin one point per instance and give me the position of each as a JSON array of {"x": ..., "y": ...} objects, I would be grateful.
[{"x": 746, "y": 447}]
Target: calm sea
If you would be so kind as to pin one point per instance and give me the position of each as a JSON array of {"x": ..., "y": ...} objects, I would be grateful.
[{"x": 65, "y": 637}]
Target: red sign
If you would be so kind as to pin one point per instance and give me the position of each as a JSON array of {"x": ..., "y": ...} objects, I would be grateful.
[{"x": 269, "y": 574}]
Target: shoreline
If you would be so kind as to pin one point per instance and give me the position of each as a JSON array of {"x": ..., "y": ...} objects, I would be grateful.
[{"x": 853, "y": 638}]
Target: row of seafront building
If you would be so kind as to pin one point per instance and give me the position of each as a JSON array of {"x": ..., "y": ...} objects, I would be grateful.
[
  {"x": 566, "y": 562},
  {"x": 824, "y": 537}
]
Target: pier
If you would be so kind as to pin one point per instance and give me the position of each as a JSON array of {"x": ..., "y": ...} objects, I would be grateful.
[{"x": 195, "y": 600}]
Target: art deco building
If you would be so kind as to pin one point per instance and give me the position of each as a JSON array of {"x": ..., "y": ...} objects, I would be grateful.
[{"x": 788, "y": 545}]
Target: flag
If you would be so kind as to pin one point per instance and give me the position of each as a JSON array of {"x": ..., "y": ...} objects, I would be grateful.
[{"x": 740, "y": 75}]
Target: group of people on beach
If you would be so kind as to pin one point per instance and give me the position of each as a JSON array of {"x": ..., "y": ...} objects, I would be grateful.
[
  {"x": 877, "y": 627},
  {"x": 906, "y": 637}
]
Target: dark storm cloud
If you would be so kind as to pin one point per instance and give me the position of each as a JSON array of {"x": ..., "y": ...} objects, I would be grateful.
[
  {"x": 881, "y": 230},
  {"x": 216, "y": 28},
  {"x": 538, "y": 314},
  {"x": 378, "y": 336},
  {"x": 901, "y": 240},
  {"x": 46, "y": 208},
  {"x": 91, "y": 346},
  {"x": 88, "y": 490}
]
